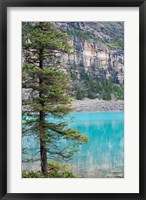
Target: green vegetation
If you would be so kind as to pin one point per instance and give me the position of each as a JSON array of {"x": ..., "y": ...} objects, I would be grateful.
[
  {"x": 84, "y": 36},
  {"x": 80, "y": 34},
  {"x": 103, "y": 89},
  {"x": 55, "y": 170},
  {"x": 79, "y": 94},
  {"x": 118, "y": 44},
  {"x": 48, "y": 89}
]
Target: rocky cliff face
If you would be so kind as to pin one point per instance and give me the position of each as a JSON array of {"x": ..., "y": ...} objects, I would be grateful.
[
  {"x": 97, "y": 66},
  {"x": 99, "y": 49}
]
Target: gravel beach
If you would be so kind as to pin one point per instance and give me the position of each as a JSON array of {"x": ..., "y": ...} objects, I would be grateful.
[{"x": 96, "y": 105}]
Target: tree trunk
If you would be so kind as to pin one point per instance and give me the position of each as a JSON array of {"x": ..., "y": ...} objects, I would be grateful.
[{"x": 43, "y": 150}]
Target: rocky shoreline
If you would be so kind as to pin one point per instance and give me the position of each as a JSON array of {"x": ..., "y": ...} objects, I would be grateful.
[{"x": 96, "y": 105}]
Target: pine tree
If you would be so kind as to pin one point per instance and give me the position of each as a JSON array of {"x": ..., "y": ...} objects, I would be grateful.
[
  {"x": 46, "y": 89},
  {"x": 79, "y": 94}
]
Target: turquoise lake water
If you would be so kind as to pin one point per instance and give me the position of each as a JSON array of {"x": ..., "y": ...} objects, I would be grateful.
[{"x": 103, "y": 155}]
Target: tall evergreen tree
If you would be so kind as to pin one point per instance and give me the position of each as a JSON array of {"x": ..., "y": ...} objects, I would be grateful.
[{"x": 46, "y": 89}]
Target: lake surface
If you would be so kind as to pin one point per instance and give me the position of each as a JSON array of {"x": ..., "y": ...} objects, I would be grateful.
[{"x": 103, "y": 155}]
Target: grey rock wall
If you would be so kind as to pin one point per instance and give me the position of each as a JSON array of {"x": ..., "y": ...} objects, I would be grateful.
[{"x": 94, "y": 55}]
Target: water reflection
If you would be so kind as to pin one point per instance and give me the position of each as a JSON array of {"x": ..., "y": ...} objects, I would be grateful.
[{"x": 103, "y": 156}]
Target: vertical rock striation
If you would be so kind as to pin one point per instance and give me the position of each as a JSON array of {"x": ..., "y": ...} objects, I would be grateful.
[{"x": 99, "y": 49}]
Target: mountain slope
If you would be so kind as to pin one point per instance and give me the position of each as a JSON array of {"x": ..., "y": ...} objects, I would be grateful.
[{"x": 97, "y": 67}]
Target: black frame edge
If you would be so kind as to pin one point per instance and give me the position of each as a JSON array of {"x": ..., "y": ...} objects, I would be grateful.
[
  {"x": 3, "y": 95},
  {"x": 74, "y": 3},
  {"x": 3, "y": 101},
  {"x": 77, "y": 196},
  {"x": 142, "y": 99}
]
